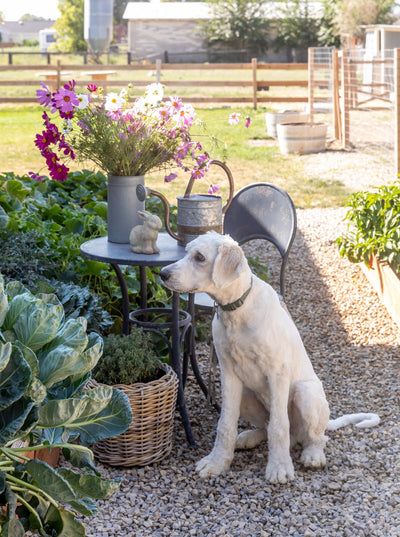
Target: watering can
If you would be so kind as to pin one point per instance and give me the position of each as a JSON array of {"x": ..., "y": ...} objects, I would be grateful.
[{"x": 197, "y": 213}]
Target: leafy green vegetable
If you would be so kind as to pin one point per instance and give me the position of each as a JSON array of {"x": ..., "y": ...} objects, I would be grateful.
[{"x": 374, "y": 226}]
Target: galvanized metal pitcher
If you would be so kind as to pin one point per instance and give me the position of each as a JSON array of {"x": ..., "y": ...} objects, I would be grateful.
[{"x": 197, "y": 213}]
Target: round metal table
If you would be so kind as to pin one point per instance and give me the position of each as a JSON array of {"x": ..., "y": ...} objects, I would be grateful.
[{"x": 170, "y": 251}]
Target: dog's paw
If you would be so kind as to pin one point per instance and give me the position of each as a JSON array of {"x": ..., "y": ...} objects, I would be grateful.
[
  {"x": 251, "y": 438},
  {"x": 279, "y": 472},
  {"x": 313, "y": 457},
  {"x": 210, "y": 467}
]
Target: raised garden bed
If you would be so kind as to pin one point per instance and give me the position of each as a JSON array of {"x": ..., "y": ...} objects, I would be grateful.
[{"x": 387, "y": 284}]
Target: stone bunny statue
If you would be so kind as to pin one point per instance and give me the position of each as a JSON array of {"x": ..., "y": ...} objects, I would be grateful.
[{"x": 143, "y": 238}]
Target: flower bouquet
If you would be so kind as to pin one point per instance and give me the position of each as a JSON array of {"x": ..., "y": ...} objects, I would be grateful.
[{"x": 121, "y": 138}]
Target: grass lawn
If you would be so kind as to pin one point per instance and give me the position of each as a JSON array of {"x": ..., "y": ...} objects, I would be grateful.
[{"x": 250, "y": 154}]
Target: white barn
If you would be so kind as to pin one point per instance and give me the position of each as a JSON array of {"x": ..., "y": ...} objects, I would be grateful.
[{"x": 160, "y": 29}]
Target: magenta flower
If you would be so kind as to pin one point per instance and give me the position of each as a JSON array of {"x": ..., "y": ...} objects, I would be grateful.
[
  {"x": 92, "y": 88},
  {"x": 65, "y": 100},
  {"x": 248, "y": 122},
  {"x": 44, "y": 95},
  {"x": 70, "y": 85},
  {"x": 43, "y": 140},
  {"x": 59, "y": 172}
]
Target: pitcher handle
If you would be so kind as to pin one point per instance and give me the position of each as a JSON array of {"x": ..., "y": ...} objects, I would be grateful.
[{"x": 230, "y": 179}]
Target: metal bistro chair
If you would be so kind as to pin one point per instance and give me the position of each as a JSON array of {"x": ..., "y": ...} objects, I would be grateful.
[{"x": 257, "y": 211}]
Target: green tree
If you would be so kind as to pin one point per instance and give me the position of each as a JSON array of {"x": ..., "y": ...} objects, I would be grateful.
[
  {"x": 352, "y": 14},
  {"x": 70, "y": 26},
  {"x": 119, "y": 10},
  {"x": 237, "y": 24},
  {"x": 297, "y": 27},
  {"x": 28, "y": 17},
  {"x": 328, "y": 34}
]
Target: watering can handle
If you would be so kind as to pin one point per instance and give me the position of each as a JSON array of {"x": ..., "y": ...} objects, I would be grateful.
[{"x": 230, "y": 179}]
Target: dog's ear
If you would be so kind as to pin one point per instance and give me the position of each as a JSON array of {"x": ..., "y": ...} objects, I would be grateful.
[{"x": 228, "y": 264}]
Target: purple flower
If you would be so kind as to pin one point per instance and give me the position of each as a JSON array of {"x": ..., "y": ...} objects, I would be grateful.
[
  {"x": 198, "y": 173},
  {"x": 248, "y": 122},
  {"x": 170, "y": 177},
  {"x": 44, "y": 95},
  {"x": 36, "y": 176},
  {"x": 92, "y": 88},
  {"x": 65, "y": 100}
]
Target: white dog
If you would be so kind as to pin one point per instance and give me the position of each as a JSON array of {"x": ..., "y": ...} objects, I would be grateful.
[{"x": 266, "y": 375}]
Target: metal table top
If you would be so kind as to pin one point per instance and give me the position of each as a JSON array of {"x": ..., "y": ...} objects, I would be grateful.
[{"x": 101, "y": 249}]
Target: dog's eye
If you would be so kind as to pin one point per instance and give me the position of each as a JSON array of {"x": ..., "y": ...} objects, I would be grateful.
[{"x": 199, "y": 257}]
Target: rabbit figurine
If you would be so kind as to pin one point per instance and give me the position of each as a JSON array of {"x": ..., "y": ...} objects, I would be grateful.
[{"x": 143, "y": 238}]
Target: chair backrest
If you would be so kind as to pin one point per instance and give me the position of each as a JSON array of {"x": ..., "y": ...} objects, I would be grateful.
[{"x": 263, "y": 211}]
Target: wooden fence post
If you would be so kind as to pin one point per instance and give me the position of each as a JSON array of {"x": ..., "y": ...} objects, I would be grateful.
[
  {"x": 158, "y": 71},
  {"x": 311, "y": 84},
  {"x": 345, "y": 100},
  {"x": 397, "y": 111},
  {"x": 58, "y": 82},
  {"x": 337, "y": 126},
  {"x": 255, "y": 88}
]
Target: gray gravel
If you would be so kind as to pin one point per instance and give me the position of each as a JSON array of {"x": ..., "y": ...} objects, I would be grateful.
[{"x": 354, "y": 346}]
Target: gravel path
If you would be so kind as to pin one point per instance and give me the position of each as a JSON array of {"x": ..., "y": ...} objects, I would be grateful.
[{"x": 354, "y": 347}]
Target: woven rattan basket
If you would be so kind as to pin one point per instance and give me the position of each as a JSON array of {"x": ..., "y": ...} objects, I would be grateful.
[{"x": 149, "y": 437}]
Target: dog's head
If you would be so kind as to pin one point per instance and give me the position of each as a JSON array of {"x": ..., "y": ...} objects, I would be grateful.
[{"x": 212, "y": 262}]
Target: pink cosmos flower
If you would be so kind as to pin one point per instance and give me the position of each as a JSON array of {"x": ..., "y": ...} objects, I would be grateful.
[
  {"x": 198, "y": 173},
  {"x": 92, "y": 88},
  {"x": 213, "y": 189},
  {"x": 164, "y": 112},
  {"x": 44, "y": 95},
  {"x": 234, "y": 118},
  {"x": 248, "y": 122},
  {"x": 59, "y": 172},
  {"x": 175, "y": 103},
  {"x": 70, "y": 85},
  {"x": 65, "y": 100},
  {"x": 115, "y": 115},
  {"x": 43, "y": 140},
  {"x": 170, "y": 177}
]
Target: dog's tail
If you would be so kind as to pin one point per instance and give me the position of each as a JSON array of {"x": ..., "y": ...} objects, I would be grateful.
[{"x": 359, "y": 420}]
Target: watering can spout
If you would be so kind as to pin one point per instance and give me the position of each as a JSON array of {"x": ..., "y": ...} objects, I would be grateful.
[
  {"x": 143, "y": 192},
  {"x": 196, "y": 213}
]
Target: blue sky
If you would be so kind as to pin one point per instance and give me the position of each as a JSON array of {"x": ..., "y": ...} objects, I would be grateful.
[{"x": 13, "y": 9}]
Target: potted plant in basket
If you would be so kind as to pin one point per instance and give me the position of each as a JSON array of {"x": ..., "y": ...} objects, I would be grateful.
[
  {"x": 130, "y": 363},
  {"x": 373, "y": 239},
  {"x": 45, "y": 363},
  {"x": 125, "y": 140}
]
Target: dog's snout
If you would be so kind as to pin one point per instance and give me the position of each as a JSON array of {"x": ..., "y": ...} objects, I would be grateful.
[{"x": 165, "y": 274}]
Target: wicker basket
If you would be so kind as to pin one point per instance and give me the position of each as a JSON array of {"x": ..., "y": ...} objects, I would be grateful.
[{"x": 149, "y": 437}]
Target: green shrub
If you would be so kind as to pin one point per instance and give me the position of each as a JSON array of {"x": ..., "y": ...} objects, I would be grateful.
[
  {"x": 127, "y": 359},
  {"x": 374, "y": 226}
]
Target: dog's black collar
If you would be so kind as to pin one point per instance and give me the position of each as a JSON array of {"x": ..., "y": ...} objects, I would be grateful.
[{"x": 239, "y": 302}]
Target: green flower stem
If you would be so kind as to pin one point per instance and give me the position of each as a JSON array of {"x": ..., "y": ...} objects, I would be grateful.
[
  {"x": 28, "y": 506},
  {"x": 34, "y": 490},
  {"x": 10, "y": 453}
]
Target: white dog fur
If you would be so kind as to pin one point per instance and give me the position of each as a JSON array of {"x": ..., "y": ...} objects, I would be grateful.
[{"x": 266, "y": 375}]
